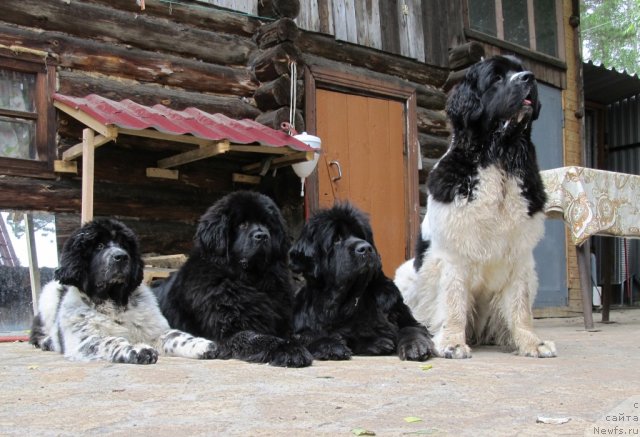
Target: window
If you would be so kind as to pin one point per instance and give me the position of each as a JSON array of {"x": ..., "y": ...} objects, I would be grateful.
[
  {"x": 26, "y": 114},
  {"x": 532, "y": 24}
]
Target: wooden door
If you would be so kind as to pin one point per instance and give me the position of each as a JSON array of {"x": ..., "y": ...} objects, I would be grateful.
[{"x": 363, "y": 138}]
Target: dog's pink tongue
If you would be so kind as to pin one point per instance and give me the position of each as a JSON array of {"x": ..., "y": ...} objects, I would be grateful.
[{"x": 527, "y": 102}]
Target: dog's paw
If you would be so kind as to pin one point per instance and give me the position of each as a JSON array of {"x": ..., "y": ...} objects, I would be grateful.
[
  {"x": 378, "y": 346},
  {"x": 456, "y": 351},
  {"x": 546, "y": 349},
  {"x": 418, "y": 349},
  {"x": 142, "y": 355},
  {"x": 330, "y": 349},
  {"x": 207, "y": 350},
  {"x": 291, "y": 354}
]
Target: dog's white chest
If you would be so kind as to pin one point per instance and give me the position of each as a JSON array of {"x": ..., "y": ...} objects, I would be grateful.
[{"x": 492, "y": 226}]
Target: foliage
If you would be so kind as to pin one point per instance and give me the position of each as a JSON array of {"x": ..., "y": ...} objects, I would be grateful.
[{"x": 611, "y": 34}]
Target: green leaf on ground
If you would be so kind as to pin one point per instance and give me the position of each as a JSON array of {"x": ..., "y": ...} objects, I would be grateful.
[
  {"x": 426, "y": 367},
  {"x": 362, "y": 431},
  {"x": 412, "y": 419}
]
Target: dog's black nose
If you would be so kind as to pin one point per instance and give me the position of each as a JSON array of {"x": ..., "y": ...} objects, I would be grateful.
[
  {"x": 119, "y": 256},
  {"x": 363, "y": 248},
  {"x": 260, "y": 236},
  {"x": 527, "y": 77}
]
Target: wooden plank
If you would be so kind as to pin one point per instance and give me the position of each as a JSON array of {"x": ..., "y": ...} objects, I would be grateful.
[
  {"x": 390, "y": 28},
  {"x": 344, "y": 19},
  {"x": 34, "y": 270},
  {"x": 411, "y": 29},
  {"x": 325, "y": 16},
  {"x": 87, "y": 120},
  {"x": 195, "y": 155},
  {"x": 281, "y": 161},
  {"x": 249, "y": 7},
  {"x": 308, "y": 18},
  {"x": 162, "y": 173},
  {"x": 368, "y": 24},
  {"x": 245, "y": 179},
  {"x": 60, "y": 166},
  {"x": 157, "y": 135},
  {"x": 88, "y": 157},
  {"x": 165, "y": 261},
  {"x": 261, "y": 149},
  {"x": 74, "y": 151}
]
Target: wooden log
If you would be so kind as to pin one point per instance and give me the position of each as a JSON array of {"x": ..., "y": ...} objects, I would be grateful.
[
  {"x": 279, "y": 8},
  {"x": 274, "y": 62},
  {"x": 156, "y": 236},
  {"x": 454, "y": 78},
  {"x": 326, "y": 47},
  {"x": 282, "y": 30},
  {"x": 430, "y": 97},
  {"x": 109, "y": 199},
  {"x": 465, "y": 55},
  {"x": 201, "y": 16},
  {"x": 80, "y": 84},
  {"x": 273, "y": 119},
  {"x": 432, "y": 122},
  {"x": 277, "y": 93},
  {"x": 153, "y": 67},
  {"x": 143, "y": 31},
  {"x": 431, "y": 146}
]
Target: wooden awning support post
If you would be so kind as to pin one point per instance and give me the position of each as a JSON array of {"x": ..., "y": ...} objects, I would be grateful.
[
  {"x": 88, "y": 158},
  {"x": 34, "y": 269}
]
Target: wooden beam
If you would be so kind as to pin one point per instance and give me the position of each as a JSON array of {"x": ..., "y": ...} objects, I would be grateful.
[
  {"x": 281, "y": 161},
  {"x": 74, "y": 151},
  {"x": 157, "y": 135},
  {"x": 34, "y": 271},
  {"x": 88, "y": 157},
  {"x": 87, "y": 120},
  {"x": 162, "y": 173},
  {"x": 60, "y": 166},
  {"x": 195, "y": 155},
  {"x": 261, "y": 149},
  {"x": 245, "y": 179}
]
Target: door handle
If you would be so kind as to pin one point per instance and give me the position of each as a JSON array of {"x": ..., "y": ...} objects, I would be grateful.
[{"x": 337, "y": 164}]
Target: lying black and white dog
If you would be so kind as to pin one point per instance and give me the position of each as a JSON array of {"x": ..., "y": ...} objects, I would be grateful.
[
  {"x": 348, "y": 306},
  {"x": 235, "y": 288},
  {"x": 96, "y": 308},
  {"x": 473, "y": 279}
]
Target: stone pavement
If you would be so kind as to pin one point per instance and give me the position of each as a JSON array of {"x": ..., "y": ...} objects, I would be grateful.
[{"x": 493, "y": 393}]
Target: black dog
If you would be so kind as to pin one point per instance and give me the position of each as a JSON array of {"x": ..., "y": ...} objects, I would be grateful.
[
  {"x": 235, "y": 288},
  {"x": 97, "y": 308},
  {"x": 348, "y": 306}
]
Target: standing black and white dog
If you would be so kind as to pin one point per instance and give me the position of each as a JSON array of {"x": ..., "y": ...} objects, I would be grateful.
[
  {"x": 96, "y": 308},
  {"x": 473, "y": 278}
]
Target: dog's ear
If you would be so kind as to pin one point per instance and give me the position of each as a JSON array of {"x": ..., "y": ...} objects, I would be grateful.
[
  {"x": 75, "y": 259},
  {"x": 212, "y": 235},
  {"x": 133, "y": 249},
  {"x": 464, "y": 106},
  {"x": 303, "y": 254}
]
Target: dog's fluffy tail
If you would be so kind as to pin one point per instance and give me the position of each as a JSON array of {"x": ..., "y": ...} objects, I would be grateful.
[{"x": 406, "y": 279}]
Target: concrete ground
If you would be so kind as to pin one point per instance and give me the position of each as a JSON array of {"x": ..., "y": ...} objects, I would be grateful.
[{"x": 493, "y": 393}]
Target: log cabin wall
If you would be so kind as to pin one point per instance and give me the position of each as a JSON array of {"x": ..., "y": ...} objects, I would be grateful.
[{"x": 174, "y": 54}]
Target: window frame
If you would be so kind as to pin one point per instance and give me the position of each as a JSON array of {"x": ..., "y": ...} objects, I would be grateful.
[
  {"x": 529, "y": 51},
  {"x": 44, "y": 70}
]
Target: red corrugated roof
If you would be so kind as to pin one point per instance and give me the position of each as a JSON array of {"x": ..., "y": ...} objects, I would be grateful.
[{"x": 191, "y": 121}]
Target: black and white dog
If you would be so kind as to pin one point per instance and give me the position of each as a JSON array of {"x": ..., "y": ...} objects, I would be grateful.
[
  {"x": 97, "y": 308},
  {"x": 235, "y": 288},
  {"x": 348, "y": 306},
  {"x": 473, "y": 279}
]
